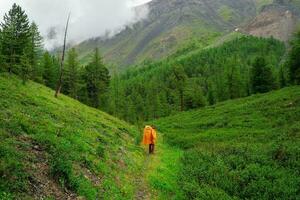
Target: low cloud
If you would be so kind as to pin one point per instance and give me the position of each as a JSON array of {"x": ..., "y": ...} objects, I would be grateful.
[{"x": 89, "y": 18}]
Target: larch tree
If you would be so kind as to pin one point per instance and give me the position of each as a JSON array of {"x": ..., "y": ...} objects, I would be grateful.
[{"x": 179, "y": 78}]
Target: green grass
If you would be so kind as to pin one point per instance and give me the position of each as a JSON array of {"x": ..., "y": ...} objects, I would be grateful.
[
  {"x": 81, "y": 149},
  {"x": 162, "y": 171},
  {"x": 239, "y": 149}
]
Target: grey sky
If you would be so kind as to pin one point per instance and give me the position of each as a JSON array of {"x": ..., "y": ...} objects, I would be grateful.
[{"x": 89, "y": 18}]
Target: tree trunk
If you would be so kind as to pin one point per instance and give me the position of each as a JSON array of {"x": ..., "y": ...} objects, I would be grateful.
[{"x": 59, "y": 83}]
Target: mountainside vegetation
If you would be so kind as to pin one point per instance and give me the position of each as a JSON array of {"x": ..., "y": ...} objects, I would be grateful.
[
  {"x": 240, "y": 149},
  {"x": 60, "y": 149},
  {"x": 200, "y": 78}
]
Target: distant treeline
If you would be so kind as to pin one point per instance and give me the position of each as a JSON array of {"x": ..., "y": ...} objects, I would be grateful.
[{"x": 187, "y": 80}]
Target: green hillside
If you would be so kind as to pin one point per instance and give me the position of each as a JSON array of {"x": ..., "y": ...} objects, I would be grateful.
[
  {"x": 60, "y": 149},
  {"x": 240, "y": 149},
  {"x": 209, "y": 76}
]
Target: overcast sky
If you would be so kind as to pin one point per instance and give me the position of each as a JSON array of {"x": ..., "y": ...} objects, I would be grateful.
[{"x": 89, "y": 18}]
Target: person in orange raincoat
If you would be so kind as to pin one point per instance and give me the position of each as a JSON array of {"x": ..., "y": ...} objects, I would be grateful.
[{"x": 150, "y": 137}]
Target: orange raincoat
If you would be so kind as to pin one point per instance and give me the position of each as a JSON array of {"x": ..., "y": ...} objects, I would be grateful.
[{"x": 149, "y": 135}]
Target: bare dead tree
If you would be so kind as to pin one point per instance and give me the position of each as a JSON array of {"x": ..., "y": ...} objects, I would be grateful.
[{"x": 59, "y": 83}]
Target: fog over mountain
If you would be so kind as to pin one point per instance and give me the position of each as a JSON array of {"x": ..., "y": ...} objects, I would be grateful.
[{"x": 88, "y": 19}]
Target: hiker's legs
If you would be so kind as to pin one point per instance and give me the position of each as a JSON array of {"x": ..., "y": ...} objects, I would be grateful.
[{"x": 152, "y": 150}]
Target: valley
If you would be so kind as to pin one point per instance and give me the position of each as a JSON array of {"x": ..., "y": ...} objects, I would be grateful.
[{"x": 200, "y": 99}]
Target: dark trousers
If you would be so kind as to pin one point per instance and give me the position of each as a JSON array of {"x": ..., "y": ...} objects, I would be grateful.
[{"x": 151, "y": 148}]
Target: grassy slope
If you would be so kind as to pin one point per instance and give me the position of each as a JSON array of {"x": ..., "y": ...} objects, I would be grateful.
[
  {"x": 240, "y": 149},
  {"x": 47, "y": 144}
]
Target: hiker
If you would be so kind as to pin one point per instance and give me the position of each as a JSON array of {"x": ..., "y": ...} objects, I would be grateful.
[{"x": 150, "y": 137}]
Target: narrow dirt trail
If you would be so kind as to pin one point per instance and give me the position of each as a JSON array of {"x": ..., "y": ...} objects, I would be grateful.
[
  {"x": 158, "y": 178},
  {"x": 143, "y": 192},
  {"x": 150, "y": 164}
]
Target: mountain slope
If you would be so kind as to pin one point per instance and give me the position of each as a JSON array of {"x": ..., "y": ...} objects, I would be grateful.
[
  {"x": 240, "y": 149},
  {"x": 171, "y": 24},
  {"x": 278, "y": 20},
  {"x": 59, "y": 148}
]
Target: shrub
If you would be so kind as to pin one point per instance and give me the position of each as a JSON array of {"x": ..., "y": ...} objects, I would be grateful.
[
  {"x": 101, "y": 151},
  {"x": 61, "y": 170}
]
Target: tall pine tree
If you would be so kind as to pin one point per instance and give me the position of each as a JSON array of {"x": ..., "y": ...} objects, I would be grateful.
[
  {"x": 50, "y": 66},
  {"x": 71, "y": 77},
  {"x": 35, "y": 52},
  {"x": 262, "y": 78},
  {"x": 15, "y": 39},
  {"x": 97, "y": 79}
]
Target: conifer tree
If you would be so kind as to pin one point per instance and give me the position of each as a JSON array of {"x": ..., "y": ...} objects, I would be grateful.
[
  {"x": 262, "y": 78},
  {"x": 233, "y": 81},
  {"x": 25, "y": 65},
  {"x": 49, "y": 65},
  {"x": 114, "y": 90},
  {"x": 294, "y": 60},
  {"x": 2, "y": 69},
  {"x": 282, "y": 79},
  {"x": 194, "y": 95},
  {"x": 97, "y": 79},
  {"x": 15, "y": 38},
  {"x": 179, "y": 80},
  {"x": 35, "y": 52},
  {"x": 71, "y": 78}
]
